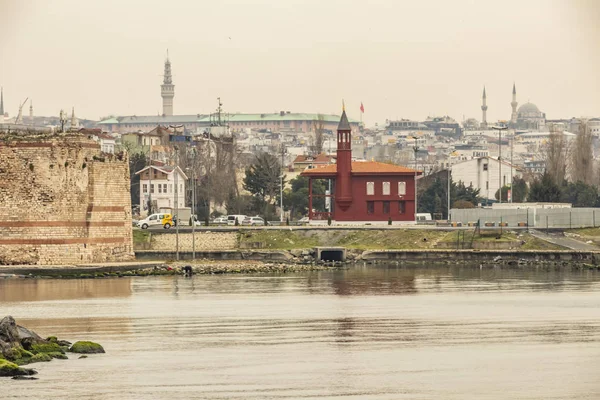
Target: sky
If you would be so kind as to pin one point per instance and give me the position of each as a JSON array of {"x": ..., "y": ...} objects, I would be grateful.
[{"x": 401, "y": 59}]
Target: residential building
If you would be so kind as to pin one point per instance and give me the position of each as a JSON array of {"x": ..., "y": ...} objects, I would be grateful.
[
  {"x": 485, "y": 174},
  {"x": 161, "y": 186}
]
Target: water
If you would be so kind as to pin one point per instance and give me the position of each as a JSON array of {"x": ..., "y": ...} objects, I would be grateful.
[{"x": 363, "y": 333}]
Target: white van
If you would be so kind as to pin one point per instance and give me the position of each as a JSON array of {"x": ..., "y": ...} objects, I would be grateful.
[
  {"x": 423, "y": 217},
  {"x": 231, "y": 219},
  {"x": 164, "y": 219}
]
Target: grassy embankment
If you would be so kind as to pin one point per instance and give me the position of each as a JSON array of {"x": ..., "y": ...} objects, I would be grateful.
[
  {"x": 585, "y": 235},
  {"x": 400, "y": 239}
]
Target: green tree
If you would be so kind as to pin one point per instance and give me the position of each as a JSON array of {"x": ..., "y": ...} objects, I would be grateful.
[
  {"x": 580, "y": 194},
  {"x": 296, "y": 199},
  {"x": 465, "y": 193},
  {"x": 263, "y": 180},
  {"x": 544, "y": 190},
  {"x": 137, "y": 162},
  {"x": 519, "y": 190}
]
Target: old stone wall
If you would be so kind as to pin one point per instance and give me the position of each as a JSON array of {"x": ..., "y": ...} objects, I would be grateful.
[
  {"x": 204, "y": 241},
  {"x": 62, "y": 201}
]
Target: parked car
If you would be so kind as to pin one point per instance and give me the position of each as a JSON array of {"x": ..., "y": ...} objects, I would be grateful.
[
  {"x": 232, "y": 218},
  {"x": 166, "y": 220},
  {"x": 220, "y": 221},
  {"x": 253, "y": 221}
]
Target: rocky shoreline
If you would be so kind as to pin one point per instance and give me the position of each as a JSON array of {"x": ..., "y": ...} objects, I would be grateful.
[{"x": 21, "y": 346}]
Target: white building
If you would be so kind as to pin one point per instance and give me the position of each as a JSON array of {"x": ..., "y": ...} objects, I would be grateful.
[
  {"x": 165, "y": 185},
  {"x": 484, "y": 174},
  {"x": 107, "y": 142}
]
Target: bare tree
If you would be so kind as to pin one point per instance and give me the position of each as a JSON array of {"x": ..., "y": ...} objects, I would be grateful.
[
  {"x": 319, "y": 135},
  {"x": 582, "y": 156},
  {"x": 555, "y": 153}
]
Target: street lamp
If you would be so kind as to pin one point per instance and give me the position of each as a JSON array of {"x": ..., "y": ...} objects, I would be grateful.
[
  {"x": 416, "y": 149},
  {"x": 500, "y": 128}
]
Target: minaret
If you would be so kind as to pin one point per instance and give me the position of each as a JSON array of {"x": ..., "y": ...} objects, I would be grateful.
[
  {"x": 484, "y": 111},
  {"x": 31, "y": 110},
  {"x": 167, "y": 89},
  {"x": 74, "y": 121},
  {"x": 2, "y": 102},
  {"x": 343, "y": 184},
  {"x": 513, "y": 104}
]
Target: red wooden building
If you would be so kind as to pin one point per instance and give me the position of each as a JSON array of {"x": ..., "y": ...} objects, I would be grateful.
[{"x": 362, "y": 191}]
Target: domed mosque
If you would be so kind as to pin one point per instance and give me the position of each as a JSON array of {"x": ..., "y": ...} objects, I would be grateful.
[{"x": 528, "y": 116}]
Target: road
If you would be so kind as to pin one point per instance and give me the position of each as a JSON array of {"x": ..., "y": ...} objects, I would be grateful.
[{"x": 561, "y": 240}]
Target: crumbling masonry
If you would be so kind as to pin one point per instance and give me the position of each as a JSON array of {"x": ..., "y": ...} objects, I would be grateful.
[{"x": 62, "y": 201}]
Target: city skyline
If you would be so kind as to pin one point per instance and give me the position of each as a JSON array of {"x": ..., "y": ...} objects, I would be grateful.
[{"x": 272, "y": 56}]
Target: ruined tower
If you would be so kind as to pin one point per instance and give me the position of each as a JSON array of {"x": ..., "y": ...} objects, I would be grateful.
[
  {"x": 514, "y": 104},
  {"x": 484, "y": 108},
  {"x": 343, "y": 184},
  {"x": 167, "y": 89}
]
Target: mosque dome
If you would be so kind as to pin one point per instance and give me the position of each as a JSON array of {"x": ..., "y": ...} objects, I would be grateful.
[{"x": 528, "y": 108}]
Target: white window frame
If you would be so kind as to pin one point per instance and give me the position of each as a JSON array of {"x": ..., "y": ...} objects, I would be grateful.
[
  {"x": 386, "y": 189},
  {"x": 402, "y": 188},
  {"x": 370, "y": 188}
]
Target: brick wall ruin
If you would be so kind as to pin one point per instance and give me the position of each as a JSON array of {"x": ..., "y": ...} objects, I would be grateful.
[{"x": 62, "y": 201}]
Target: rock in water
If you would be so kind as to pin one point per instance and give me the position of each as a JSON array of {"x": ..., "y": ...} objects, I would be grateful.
[
  {"x": 8, "y": 330},
  {"x": 25, "y": 378},
  {"x": 86, "y": 348},
  {"x": 8, "y": 368}
]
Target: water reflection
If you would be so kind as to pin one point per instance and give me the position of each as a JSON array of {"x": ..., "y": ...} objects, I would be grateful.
[{"x": 68, "y": 289}]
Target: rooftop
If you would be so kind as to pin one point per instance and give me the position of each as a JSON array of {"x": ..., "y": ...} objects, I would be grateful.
[{"x": 362, "y": 168}]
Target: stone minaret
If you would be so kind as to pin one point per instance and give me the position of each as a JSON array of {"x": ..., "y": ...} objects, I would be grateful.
[
  {"x": 2, "y": 102},
  {"x": 31, "y": 110},
  {"x": 484, "y": 111},
  {"x": 514, "y": 104},
  {"x": 167, "y": 89},
  {"x": 74, "y": 121},
  {"x": 343, "y": 183}
]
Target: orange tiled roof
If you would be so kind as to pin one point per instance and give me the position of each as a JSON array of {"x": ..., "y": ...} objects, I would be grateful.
[{"x": 362, "y": 168}]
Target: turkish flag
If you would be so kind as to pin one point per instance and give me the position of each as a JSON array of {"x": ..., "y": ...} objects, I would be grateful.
[{"x": 362, "y": 108}]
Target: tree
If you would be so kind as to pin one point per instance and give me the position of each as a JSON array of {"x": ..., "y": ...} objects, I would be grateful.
[
  {"x": 263, "y": 179},
  {"x": 505, "y": 190},
  {"x": 137, "y": 162},
  {"x": 319, "y": 139},
  {"x": 544, "y": 190},
  {"x": 519, "y": 190},
  {"x": 582, "y": 156},
  {"x": 466, "y": 193},
  {"x": 555, "y": 153},
  {"x": 580, "y": 194},
  {"x": 462, "y": 204},
  {"x": 297, "y": 198}
]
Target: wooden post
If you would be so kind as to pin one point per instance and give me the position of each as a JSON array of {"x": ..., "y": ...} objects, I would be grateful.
[{"x": 310, "y": 213}]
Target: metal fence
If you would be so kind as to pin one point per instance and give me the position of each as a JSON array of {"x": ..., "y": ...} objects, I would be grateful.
[{"x": 541, "y": 218}]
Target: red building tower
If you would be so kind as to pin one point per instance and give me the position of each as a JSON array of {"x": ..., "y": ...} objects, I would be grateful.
[
  {"x": 364, "y": 191},
  {"x": 343, "y": 187}
]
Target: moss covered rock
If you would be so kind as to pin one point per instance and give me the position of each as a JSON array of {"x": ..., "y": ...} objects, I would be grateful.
[
  {"x": 86, "y": 348},
  {"x": 59, "y": 356},
  {"x": 40, "y": 357},
  {"x": 8, "y": 368},
  {"x": 46, "y": 348}
]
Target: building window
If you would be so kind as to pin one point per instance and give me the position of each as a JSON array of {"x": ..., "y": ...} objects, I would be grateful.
[
  {"x": 487, "y": 185},
  {"x": 401, "y": 188},
  {"x": 165, "y": 188},
  {"x": 181, "y": 188},
  {"x": 370, "y": 188},
  {"x": 370, "y": 207},
  {"x": 386, "y": 207},
  {"x": 401, "y": 207},
  {"x": 152, "y": 188},
  {"x": 145, "y": 188},
  {"x": 485, "y": 167},
  {"x": 386, "y": 188}
]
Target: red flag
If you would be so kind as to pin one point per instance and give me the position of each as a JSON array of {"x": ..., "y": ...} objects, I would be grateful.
[{"x": 362, "y": 108}]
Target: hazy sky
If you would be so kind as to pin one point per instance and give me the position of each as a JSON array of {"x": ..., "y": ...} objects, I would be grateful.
[{"x": 402, "y": 59}]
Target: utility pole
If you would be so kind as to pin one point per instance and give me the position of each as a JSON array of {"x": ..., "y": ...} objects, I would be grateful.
[
  {"x": 416, "y": 149},
  {"x": 176, "y": 204},
  {"x": 149, "y": 180},
  {"x": 281, "y": 182},
  {"x": 194, "y": 209},
  {"x": 448, "y": 212},
  {"x": 512, "y": 140},
  {"x": 500, "y": 128}
]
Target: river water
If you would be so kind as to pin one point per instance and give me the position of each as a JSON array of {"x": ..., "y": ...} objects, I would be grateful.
[{"x": 381, "y": 332}]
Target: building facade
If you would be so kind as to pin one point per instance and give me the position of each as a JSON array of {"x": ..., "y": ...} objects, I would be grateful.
[
  {"x": 363, "y": 191},
  {"x": 161, "y": 187},
  {"x": 485, "y": 174}
]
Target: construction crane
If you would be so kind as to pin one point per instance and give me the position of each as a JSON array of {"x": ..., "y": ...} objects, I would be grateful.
[{"x": 19, "y": 119}]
